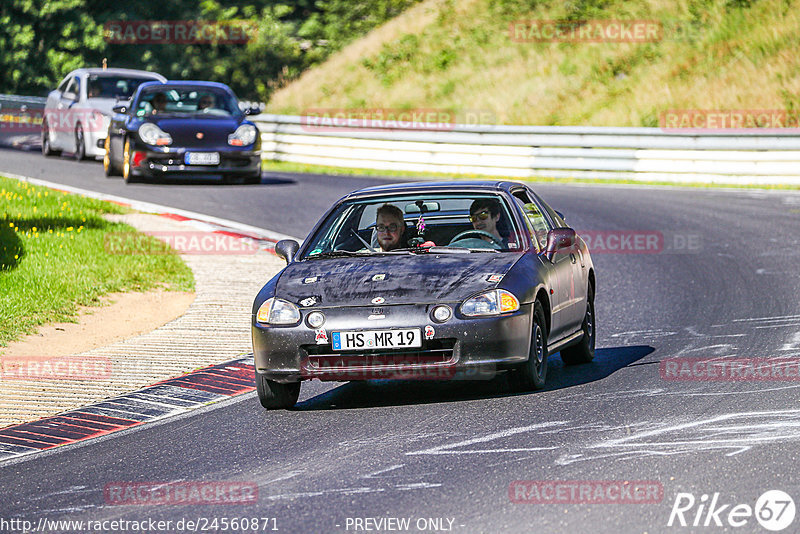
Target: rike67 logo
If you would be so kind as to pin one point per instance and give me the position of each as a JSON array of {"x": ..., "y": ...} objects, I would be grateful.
[{"x": 774, "y": 510}]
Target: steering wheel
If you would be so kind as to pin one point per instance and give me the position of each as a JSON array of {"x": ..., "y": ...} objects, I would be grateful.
[{"x": 479, "y": 233}]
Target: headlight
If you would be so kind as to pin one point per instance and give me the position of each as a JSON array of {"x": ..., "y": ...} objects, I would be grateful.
[
  {"x": 278, "y": 311},
  {"x": 243, "y": 136},
  {"x": 492, "y": 302},
  {"x": 153, "y": 135}
]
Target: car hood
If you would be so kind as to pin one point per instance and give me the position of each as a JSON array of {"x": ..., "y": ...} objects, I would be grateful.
[
  {"x": 184, "y": 129},
  {"x": 397, "y": 279}
]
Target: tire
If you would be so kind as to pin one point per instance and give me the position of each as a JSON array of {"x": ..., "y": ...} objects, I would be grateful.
[
  {"x": 80, "y": 144},
  {"x": 274, "y": 395},
  {"x": 108, "y": 163},
  {"x": 126, "y": 162},
  {"x": 47, "y": 150},
  {"x": 253, "y": 179},
  {"x": 583, "y": 352},
  {"x": 532, "y": 374}
]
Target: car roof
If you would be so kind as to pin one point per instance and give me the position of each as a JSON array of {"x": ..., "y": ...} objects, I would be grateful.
[
  {"x": 120, "y": 71},
  {"x": 187, "y": 83},
  {"x": 435, "y": 187}
]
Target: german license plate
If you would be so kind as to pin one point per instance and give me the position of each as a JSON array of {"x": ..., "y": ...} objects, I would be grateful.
[
  {"x": 202, "y": 158},
  {"x": 377, "y": 339}
]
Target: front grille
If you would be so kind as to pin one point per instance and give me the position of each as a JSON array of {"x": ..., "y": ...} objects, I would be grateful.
[{"x": 432, "y": 352}]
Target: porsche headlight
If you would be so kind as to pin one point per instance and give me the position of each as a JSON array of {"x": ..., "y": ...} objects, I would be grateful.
[
  {"x": 153, "y": 135},
  {"x": 278, "y": 311},
  {"x": 494, "y": 302},
  {"x": 243, "y": 136}
]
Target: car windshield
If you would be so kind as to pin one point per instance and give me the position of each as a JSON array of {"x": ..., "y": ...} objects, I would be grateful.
[
  {"x": 206, "y": 101},
  {"x": 107, "y": 86},
  {"x": 447, "y": 222}
]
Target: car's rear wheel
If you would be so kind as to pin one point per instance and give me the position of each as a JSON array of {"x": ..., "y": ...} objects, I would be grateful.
[
  {"x": 531, "y": 374},
  {"x": 80, "y": 144},
  {"x": 47, "y": 149},
  {"x": 108, "y": 163},
  {"x": 583, "y": 352},
  {"x": 126, "y": 162},
  {"x": 274, "y": 395}
]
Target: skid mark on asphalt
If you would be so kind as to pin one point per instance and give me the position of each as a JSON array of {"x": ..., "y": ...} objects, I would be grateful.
[
  {"x": 451, "y": 448},
  {"x": 161, "y": 400},
  {"x": 732, "y": 433}
]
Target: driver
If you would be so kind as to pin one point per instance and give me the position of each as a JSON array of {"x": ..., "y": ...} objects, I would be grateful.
[
  {"x": 390, "y": 226},
  {"x": 484, "y": 214}
]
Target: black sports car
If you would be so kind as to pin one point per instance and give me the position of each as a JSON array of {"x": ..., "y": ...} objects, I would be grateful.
[
  {"x": 426, "y": 280},
  {"x": 182, "y": 128}
]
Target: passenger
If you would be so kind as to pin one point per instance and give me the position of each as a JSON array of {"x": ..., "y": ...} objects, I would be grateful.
[
  {"x": 206, "y": 101},
  {"x": 484, "y": 214},
  {"x": 159, "y": 102},
  {"x": 390, "y": 227}
]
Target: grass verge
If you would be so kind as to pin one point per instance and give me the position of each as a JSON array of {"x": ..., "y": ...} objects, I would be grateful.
[
  {"x": 53, "y": 258},
  {"x": 286, "y": 166}
]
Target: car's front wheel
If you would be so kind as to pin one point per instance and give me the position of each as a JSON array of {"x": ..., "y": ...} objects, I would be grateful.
[
  {"x": 583, "y": 352},
  {"x": 531, "y": 374},
  {"x": 274, "y": 395},
  {"x": 126, "y": 162}
]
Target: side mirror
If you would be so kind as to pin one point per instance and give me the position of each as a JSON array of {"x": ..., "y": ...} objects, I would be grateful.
[
  {"x": 286, "y": 249},
  {"x": 559, "y": 239},
  {"x": 120, "y": 109}
]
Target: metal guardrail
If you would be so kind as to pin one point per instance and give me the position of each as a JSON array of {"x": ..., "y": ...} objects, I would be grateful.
[
  {"x": 753, "y": 156},
  {"x": 21, "y": 120}
]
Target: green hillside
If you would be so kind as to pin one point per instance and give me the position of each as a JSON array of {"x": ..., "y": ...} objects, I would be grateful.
[{"x": 461, "y": 57}]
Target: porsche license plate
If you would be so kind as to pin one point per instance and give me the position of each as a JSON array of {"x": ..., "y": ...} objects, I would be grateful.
[
  {"x": 202, "y": 158},
  {"x": 377, "y": 339}
]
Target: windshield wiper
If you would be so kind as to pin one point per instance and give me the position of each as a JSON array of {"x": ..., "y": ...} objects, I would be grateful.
[{"x": 335, "y": 254}]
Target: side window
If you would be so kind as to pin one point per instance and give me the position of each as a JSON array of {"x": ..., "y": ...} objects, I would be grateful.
[
  {"x": 72, "y": 88},
  {"x": 535, "y": 219},
  {"x": 63, "y": 85}
]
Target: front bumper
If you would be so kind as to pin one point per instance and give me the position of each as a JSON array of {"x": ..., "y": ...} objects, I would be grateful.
[
  {"x": 172, "y": 161},
  {"x": 461, "y": 347}
]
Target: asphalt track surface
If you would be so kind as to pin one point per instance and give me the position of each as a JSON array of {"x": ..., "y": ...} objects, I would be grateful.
[{"x": 451, "y": 450}]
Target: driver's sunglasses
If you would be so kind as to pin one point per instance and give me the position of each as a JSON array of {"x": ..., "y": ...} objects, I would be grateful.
[
  {"x": 481, "y": 215},
  {"x": 391, "y": 228}
]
